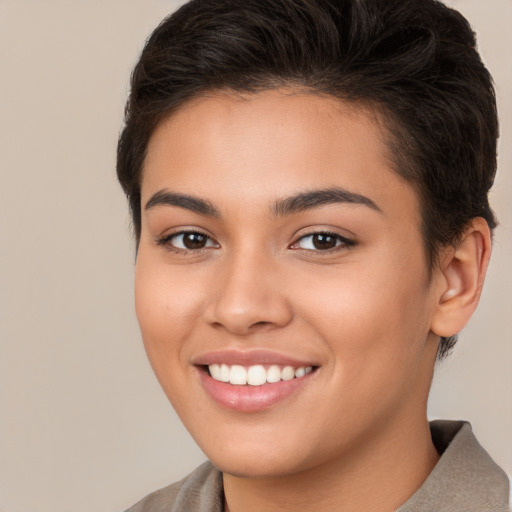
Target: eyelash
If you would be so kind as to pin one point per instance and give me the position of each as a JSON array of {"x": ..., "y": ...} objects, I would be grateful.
[
  {"x": 341, "y": 242},
  {"x": 166, "y": 240}
]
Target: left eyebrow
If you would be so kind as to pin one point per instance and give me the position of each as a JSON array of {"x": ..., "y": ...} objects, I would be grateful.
[
  {"x": 323, "y": 197},
  {"x": 192, "y": 203}
]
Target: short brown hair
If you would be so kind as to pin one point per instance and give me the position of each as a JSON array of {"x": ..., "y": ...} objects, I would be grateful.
[{"x": 415, "y": 62}]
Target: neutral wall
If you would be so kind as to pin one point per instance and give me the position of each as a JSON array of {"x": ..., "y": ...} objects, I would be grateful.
[{"x": 83, "y": 423}]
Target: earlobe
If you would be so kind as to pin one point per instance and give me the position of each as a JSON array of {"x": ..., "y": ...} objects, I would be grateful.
[{"x": 460, "y": 279}]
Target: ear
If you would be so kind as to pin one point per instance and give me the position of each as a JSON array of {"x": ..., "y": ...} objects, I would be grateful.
[{"x": 461, "y": 278}]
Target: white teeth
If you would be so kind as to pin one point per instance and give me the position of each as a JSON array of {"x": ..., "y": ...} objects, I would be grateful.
[
  {"x": 288, "y": 373},
  {"x": 224, "y": 373},
  {"x": 256, "y": 375},
  {"x": 238, "y": 375},
  {"x": 215, "y": 371},
  {"x": 219, "y": 372},
  {"x": 300, "y": 372},
  {"x": 273, "y": 374}
]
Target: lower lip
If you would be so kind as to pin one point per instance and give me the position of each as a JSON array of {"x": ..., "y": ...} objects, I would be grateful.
[{"x": 251, "y": 398}]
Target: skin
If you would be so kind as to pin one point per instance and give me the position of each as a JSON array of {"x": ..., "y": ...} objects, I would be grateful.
[{"x": 369, "y": 315}]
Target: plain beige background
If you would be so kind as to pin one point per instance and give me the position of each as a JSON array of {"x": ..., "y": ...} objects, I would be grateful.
[{"x": 83, "y": 423}]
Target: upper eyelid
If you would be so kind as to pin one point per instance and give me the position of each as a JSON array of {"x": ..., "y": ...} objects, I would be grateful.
[
  {"x": 326, "y": 231},
  {"x": 165, "y": 239},
  {"x": 346, "y": 240},
  {"x": 184, "y": 231}
]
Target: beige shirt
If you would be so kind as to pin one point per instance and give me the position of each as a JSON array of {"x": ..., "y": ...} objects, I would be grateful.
[{"x": 465, "y": 479}]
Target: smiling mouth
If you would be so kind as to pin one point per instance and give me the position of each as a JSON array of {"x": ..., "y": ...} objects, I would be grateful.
[
  {"x": 253, "y": 381},
  {"x": 256, "y": 375}
]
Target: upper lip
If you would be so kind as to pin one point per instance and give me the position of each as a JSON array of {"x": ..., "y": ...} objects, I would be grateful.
[{"x": 249, "y": 358}]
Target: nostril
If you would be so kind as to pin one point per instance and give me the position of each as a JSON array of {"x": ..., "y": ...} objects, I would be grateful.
[{"x": 260, "y": 324}]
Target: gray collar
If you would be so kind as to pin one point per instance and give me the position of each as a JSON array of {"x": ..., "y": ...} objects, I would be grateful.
[{"x": 465, "y": 479}]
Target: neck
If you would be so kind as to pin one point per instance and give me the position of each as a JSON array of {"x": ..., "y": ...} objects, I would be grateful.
[{"x": 378, "y": 476}]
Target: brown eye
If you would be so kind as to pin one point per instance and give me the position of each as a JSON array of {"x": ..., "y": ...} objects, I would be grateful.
[
  {"x": 188, "y": 241},
  {"x": 194, "y": 240},
  {"x": 322, "y": 241}
]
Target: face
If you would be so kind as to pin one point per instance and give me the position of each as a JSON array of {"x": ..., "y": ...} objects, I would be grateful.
[{"x": 279, "y": 248}]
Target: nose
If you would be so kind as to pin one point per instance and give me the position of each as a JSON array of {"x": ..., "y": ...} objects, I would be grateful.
[{"x": 249, "y": 296}]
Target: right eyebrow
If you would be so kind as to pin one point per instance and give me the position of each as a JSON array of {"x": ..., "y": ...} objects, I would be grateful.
[
  {"x": 316, "y": 198},
  {"x": 167, "y": 198}
]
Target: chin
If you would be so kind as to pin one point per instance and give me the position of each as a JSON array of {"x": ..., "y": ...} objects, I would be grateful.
[
  {"x": 259, "y": 458},
  {"x": 265, "y": 467}
]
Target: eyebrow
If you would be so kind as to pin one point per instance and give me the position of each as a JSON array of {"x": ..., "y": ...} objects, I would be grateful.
[
  {"x": 282, "y": 207},
  {"x": 323, "y": 197},
  {"x": 195, "y": 204}
]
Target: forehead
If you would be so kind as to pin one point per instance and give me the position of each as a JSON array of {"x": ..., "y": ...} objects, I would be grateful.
[{"x": 258, "y": 147}]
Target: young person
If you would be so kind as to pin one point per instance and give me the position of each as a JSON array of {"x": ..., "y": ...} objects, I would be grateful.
[{"x": 308, "y": 182}]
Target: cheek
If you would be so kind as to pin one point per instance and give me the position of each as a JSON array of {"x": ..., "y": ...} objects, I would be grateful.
[
  {"x": 375, "y": 329},
  {"x": 368, "y": 312},
  {"x": 165, "y": 305}
]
